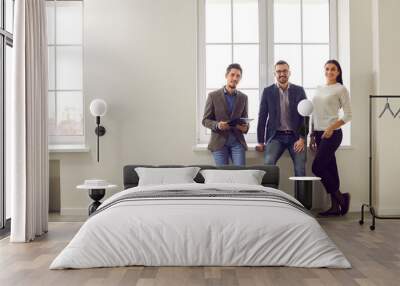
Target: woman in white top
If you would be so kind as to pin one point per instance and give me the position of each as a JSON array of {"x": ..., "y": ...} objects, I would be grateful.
[{"x": 326, "y": 137}]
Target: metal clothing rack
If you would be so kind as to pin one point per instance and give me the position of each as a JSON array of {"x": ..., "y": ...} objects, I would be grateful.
[{"x": 369, "y": 205}]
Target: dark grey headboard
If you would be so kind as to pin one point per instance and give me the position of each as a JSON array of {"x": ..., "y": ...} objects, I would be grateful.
[{"x": 271, "y": 177}]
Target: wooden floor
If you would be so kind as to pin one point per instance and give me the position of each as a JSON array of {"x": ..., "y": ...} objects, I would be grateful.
[{"x": 375, "y": 257}]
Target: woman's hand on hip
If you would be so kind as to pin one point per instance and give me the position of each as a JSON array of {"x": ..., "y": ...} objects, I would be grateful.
[{"x": 327, "y": 133}]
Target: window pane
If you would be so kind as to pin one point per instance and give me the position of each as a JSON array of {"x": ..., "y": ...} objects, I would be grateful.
[
  {"x": 52, "y": 113},
  {"x": 50, "y": 13},
  {"x": 8, "y": 70},
  {"x": 287, "y": 21},
  {"x": 292, "y": 55},
  {"x": 346, "y": 129},
  {"x": 218, "y": 21},
  {"x": 247, "y": 57},
  {"x": 69, "y": 67},
  {"x": 314, "y": 60},
  {"x": 69, "y": 113},
  {"x": 69, "y": 22},
  {"x": 245, "y": 21},
  {"x": 219, "y": 57},
  {"x": 310, "y": 93},
  {"x": 254, "y": 103},
  {"x": 316, "y": 21},
  {"x": 9, "y": 15},
  {"x": 52, "y": 67},
  {"x": 208, "y": 131}
]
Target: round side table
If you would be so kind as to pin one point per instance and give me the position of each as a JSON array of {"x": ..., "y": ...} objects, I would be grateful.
[
  {"x": 96, "y": 193},
  {"x": 303, "y": 189}
]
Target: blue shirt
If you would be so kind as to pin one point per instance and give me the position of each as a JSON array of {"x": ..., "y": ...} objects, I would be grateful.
[{"x": 230, "y": 100}]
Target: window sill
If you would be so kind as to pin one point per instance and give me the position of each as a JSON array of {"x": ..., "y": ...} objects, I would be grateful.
[
  {"x": 252, "y": 147},
  {"x": 69, "y": 148}
]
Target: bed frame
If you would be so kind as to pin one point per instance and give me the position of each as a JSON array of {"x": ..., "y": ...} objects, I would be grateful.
[{"x": 270, "y": 179}]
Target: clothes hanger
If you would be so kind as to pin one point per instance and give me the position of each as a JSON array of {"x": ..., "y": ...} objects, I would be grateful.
[
  {"x": 387, "y": 107},
  {"x": 397, "y": 113}
]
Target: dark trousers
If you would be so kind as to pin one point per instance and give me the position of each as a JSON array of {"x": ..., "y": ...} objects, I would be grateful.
[{"x": 324, "y": 165}]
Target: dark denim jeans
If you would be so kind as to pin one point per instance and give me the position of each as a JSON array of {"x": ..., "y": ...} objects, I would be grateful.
[
  {"x": 324, "y": 164},
  {"x": 278, "y": 144}
]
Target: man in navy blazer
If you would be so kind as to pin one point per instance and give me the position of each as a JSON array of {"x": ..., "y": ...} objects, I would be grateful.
[{"x": 280, "y": 126}]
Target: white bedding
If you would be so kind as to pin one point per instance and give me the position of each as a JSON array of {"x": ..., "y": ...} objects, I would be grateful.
[{"x": 200, "y": 231}]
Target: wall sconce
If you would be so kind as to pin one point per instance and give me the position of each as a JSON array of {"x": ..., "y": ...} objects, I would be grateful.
[{"x": 98, "y": 108}]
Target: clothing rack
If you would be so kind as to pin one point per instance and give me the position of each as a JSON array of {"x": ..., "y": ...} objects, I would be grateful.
[{"x": 369, "y": 205}]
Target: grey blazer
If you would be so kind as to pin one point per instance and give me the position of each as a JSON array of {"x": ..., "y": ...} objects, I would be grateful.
[{"x": 216, "y": 110}]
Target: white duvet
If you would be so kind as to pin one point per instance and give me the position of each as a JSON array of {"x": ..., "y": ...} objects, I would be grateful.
[{"x": 200, "y": 231}]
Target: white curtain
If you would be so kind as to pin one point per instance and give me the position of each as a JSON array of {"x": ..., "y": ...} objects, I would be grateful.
[{"x": 27, "y": 121}]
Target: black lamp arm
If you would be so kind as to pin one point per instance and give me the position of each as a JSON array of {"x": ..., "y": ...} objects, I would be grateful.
[{"x": 100, "y": 131}]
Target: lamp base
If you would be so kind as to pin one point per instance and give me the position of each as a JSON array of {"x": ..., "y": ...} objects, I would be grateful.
[{"x": 100, "y": 130}]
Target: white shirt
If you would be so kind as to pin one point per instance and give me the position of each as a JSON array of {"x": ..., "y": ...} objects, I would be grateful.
[{"x": 328, "y": 101}]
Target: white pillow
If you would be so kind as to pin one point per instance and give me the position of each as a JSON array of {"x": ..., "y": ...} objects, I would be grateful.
[
  {"x": 248, "y": 177},
  {"x": 164, "y": 176}
]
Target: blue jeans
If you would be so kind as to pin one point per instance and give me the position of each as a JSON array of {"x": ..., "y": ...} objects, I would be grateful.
[
  {"x": 232, "y": 150},
  {"x": 278, "y": 145}
]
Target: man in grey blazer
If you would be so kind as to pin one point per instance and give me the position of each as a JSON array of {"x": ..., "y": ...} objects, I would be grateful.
[{"x": 223, "y": 107}]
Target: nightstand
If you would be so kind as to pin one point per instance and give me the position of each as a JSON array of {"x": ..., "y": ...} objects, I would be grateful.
[
  {"x": 303, "y": 188},
  {"x": 97, "y": 190}
]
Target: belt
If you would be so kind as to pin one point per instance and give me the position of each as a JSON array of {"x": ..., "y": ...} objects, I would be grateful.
[{"x": 285, "y": 131}]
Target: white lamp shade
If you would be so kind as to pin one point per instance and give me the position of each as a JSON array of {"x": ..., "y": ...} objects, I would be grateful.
[
  {"x": 305, "y": 107},
  {"x": 98, "y": 107}
]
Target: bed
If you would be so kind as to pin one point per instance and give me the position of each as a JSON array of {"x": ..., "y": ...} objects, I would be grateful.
[{"x": 198, "y": 224}]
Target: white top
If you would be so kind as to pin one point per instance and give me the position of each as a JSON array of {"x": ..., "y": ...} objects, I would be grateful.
[
  {"x": 327, "y": 101},
  {"x": 305, "y": 178}
]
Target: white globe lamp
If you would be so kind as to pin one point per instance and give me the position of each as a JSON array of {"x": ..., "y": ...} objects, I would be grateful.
[{"x": 98, "y": 108}]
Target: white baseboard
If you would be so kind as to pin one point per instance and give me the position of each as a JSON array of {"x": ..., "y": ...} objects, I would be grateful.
[
  {"x": 74, "y": 211},
  {"x": 354, "y": 208},
  {"x": 387, "y": 212}
]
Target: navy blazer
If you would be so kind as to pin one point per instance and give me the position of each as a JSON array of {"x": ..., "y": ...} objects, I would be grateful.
[{"x": 270, "y": 111}]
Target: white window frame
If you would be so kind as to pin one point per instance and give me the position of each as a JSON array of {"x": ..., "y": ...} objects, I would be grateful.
[
  {"x": 266, "y": 56},
  {"x": 67, "y": 139}
]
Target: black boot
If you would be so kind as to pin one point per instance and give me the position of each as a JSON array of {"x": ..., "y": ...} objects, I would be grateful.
[
  {"x": 345, "y": 205},
  {"x": 334, "y": 209}
]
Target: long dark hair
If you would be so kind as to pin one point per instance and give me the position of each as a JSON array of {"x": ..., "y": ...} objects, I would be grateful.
[{"x": 339, "y": 78}]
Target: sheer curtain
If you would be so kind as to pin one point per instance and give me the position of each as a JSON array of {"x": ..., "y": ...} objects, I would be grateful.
[{"x": 27, "y": 123}]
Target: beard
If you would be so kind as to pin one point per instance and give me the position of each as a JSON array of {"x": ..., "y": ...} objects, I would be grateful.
[
  {"x": 283, "y": 80},
  {"x": 232, "y": 85}
]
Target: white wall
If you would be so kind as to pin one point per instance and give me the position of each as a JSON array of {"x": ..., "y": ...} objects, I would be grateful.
[
  {"x": 386, "y": 130},
  {"x": 140, "y": 56}
]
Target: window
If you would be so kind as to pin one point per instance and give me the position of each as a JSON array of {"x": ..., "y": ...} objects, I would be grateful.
[
  {"x": 65, "y": 51},
  {"x": 256, "y": 34},
  {"x": 6, "y": 60}
]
